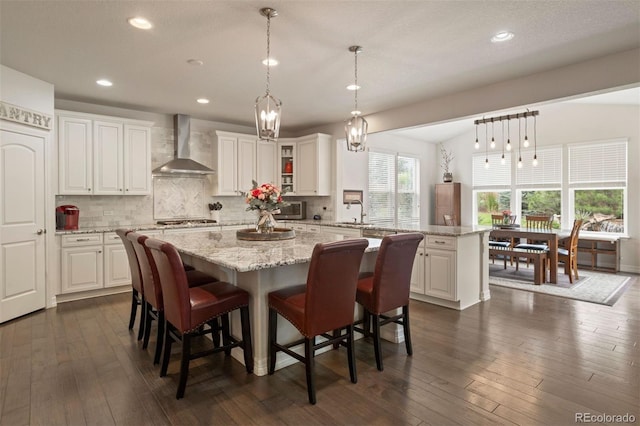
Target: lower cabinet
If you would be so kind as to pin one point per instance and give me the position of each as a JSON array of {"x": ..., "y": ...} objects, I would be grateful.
[
  {"x": 434, "y": 268},
  {"x": 81, "y": 262},
  {"x": 116, "y": 263}
]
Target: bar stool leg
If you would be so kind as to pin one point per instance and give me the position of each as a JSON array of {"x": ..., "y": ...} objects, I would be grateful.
[
  {"x": 376, "y": 340},
  {"x": 247, "y": 346},
  {"x": 273, "y": 327},
  {"x": 309, "y": 343},
  {"x": 351, "y": 355},
  {"x": 184, "y": 365},
  {"x": 134, "y": 308},
  {"x": 407, "y": 330},
  {"x": 168, "y": 340},
  {"x": 226, "y": 335}
]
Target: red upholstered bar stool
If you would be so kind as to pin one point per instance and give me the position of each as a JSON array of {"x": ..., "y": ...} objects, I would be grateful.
[
  {"x": 326, "y": 303},
  {"x": 187, "y": 309},
  {"x": 137, "y": 297},
  {"x": 153, "y": 305},
  {"x": 388, "y": 289}
]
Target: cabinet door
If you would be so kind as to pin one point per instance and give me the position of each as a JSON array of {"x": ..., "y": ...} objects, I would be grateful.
[
  {"x": 287, "y": 168},
  {"x": 266, "y": 163},
  {"x": 137, "y": 160},
  {"x": 75, "y": 156},
  {"x": 81, "y": 268},
  {"x": 116, "y": 266},
  {"x": 439, "y": 274},
  {"x": 108, "y": 164},
  {"x": 417, "y": 273},
  {"x": 227, "y": 172},
  {"x": 246, "y": 164},
  {"x": 307, "y": 167}
]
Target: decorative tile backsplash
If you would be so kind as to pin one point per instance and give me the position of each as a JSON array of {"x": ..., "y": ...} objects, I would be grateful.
[{"x": 179, "y": 197}]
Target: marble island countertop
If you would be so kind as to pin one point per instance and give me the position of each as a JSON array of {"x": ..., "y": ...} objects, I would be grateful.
[
  {"x": 452, "y": 231},
  {"x": 224, "y": 249}
]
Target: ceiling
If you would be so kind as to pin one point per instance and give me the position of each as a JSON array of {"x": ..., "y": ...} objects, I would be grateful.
[{"x": 413, "y": 50}]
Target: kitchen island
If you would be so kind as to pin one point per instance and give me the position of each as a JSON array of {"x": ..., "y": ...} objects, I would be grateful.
[{"x": 259, "y": 267}]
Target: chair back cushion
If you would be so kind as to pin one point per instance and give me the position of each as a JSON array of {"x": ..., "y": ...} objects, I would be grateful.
[
  {"x": 331, "y": 285},
  {"x": 134, "y": 265},
  {"x": 392, "y": 275},
  {"x": 148, "y": 272},
  {"x": 173, "y": 280}
]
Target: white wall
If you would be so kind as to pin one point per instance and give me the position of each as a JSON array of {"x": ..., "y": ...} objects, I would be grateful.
[
  {"x": 352, "y": 172},
  {"x": 566, "y": 123}
]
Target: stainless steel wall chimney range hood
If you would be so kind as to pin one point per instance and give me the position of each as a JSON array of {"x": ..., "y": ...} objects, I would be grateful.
[{"x": 182, "y": 164}]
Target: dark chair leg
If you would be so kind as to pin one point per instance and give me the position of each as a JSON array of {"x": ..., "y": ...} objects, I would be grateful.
[
  {"x": 247, "y": 346},
  {"x": 273, "y": 327},
  {"x": 134, "y": 308},
  {"x": 367, "y": 323},
  {"x": 226, "y": 334},
  {"x": 168, "y": 340},
  {"x": 351, "y": 355},
  {"x": 336, "y": 333},
  {"x": 407, "y": 330},
  {"x": 215, "y": 332},
  {"x": 147, "y": 327},
  {"x": 184, "y": 365},
  {"x": 143, "y": 318},
  {"x": 376, "y": 341},
  {"x": 309, "y": 366},
  {"x": 160, "y": 338}
]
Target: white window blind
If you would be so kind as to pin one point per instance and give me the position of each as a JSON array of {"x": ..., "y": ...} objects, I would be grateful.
[
  {"x": 382, "y": 188},
  {"x": 548, "y": 172},
  {"x": 603, "y": 163},
  {"x": 408, "y": 192},
  {"x": 497, "y": 176}
]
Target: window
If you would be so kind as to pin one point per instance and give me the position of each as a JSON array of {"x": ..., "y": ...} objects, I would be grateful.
[
  {"x": 394, "y": 190},
  {"x": 539, "y": 188},
  {"x": 491, "y": 186},
  {"x": 598, "y": 185}
]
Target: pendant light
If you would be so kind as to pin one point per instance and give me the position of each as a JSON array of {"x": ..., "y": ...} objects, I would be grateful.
[
  {"x": 519, "y": 147},
  {"x": 508, "y": 134},
  {"x": 493, "y": 130},
  {"x": 356, "y": 127},
  {"x": 477, "y": 145},
  {"x": 486, "y": 143},
  {"x": 526, "y": 133},
  {"x": 268, "y": 108},
  {"x": 535, "y": 144},
  {"x": 502, "y": 160}
]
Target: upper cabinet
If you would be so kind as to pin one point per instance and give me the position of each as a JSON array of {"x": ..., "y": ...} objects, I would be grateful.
[
  {"x": 305, "y": 165},
  {"x": 236, "y": 156},
  {"x": 100, "y": 155}
]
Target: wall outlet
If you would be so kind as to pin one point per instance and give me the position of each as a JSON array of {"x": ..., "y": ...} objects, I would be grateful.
[{"x": 107, "y": 212}]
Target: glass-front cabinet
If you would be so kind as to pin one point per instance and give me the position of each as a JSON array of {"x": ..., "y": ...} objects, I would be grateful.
[{"x": 287, "y": 166}]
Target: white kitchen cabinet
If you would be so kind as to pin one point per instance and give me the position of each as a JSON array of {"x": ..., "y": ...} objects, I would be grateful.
[
  {"x": 81, "y": 262},
  {"x": 313, "y": 165},
  {"x": 297, "y": 226},
  {"x": 434, "y": 268},
  {"x": 190, "y": 230},
  {"x": 101, "y": 155},
  {"x": 287, "y": 166},
  {"x": 75, "y": 155},
  {"x": 116, "y": 263},
  {"x": 266, "y": 161},
  {"x": 338, "y": 230},
  {"x": 240, "y": 160},
  {"x": 108, "y": 161},
  {"x": 417, "y": 272}
]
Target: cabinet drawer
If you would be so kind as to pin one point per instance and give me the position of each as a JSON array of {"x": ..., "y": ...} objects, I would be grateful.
[
  {"x": 81, "y": 240},
  {"x": 435, "y": 241},
  {"x": 111, "y": 238}
]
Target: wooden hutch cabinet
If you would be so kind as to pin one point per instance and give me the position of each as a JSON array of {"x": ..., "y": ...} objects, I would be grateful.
[{"x": 447, "y": 202}]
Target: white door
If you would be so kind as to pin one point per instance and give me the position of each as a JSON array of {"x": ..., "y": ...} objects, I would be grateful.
[{"x": 22, "y": 224}]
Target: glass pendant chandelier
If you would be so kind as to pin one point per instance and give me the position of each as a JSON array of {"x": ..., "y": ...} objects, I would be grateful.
[
  {"x": 268, "y": 108},
  {"x": 356, "y": 127}
]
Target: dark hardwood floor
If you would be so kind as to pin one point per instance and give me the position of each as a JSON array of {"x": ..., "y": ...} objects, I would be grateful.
[{"x": 521, "y": 358}]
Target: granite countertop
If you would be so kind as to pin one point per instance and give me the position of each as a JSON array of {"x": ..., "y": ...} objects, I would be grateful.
[
  {"x": 451, "y": 231},
  {"x": 224, "y": 249}
]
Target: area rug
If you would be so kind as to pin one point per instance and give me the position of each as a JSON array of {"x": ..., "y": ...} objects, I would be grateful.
[{"x": 594, "y": 287}]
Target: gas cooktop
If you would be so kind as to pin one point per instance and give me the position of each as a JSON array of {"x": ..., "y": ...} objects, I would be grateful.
[{"x": 185, "y": 221}]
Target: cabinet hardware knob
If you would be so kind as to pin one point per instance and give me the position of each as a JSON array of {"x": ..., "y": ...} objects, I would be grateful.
[
  {"x": 83, "y": 239},
  {"x": 439, "y": 242},
  {"x": 99, "y": 251},
  {"x": 88, "y": 189}
]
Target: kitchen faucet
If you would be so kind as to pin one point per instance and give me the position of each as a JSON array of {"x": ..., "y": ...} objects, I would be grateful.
[{"x": 362, "y": 213}]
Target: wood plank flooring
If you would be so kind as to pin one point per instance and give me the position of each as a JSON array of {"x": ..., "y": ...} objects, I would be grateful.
[{"x": 521, "y": 358}]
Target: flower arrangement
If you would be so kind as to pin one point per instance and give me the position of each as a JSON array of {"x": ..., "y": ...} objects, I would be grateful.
[
  {"x": 506, "y": 217},
  {"x": 264, "y": 197}
]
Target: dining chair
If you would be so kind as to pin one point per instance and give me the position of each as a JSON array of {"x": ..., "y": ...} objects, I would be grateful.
[
  {"x": 324, "y": 304},
  {"x": 387, "y": 289},
  {"x": 137, "y": 296},
  {"x": 188, "y": 308},
  {"x": 153, "y": 300},
  {"x": 568, "y": 253},
  {"x": 449, "y": 220},
  {"x": 496, "y": 221}
]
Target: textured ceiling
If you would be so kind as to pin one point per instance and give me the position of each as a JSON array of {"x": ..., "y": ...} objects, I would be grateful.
[{"x": 413, "y": 50}]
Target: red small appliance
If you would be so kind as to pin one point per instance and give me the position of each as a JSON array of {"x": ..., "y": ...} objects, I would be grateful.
[{"x": 67, "y": 217}]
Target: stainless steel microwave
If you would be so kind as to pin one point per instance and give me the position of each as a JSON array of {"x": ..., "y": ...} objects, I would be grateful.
[{"x": 295, "y": 210}]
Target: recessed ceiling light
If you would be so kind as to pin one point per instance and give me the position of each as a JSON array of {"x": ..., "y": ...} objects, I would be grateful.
[
  {"x": 502, "y": 36},
  {"x": 353, "y": 87},
  {"x": 196, "y": 62},
  {"x": 270, "y": 61},
  {"x": 105, "y": 83},
  {"x": 203, "y": 101},
  {"x": 140, "y": 23}
]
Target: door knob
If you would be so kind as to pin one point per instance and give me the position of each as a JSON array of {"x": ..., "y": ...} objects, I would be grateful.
[{"x": 40, "y": 231}]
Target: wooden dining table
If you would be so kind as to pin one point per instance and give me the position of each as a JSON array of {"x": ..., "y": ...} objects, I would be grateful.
[{"x": 551, "y": 237}]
